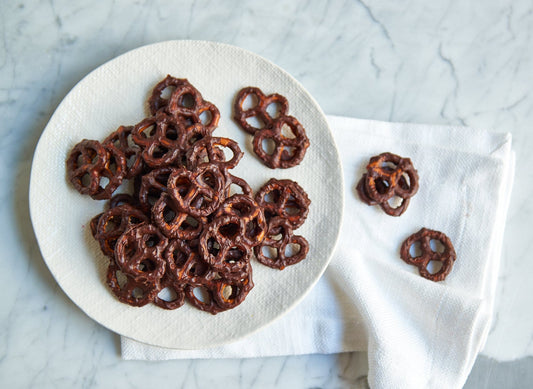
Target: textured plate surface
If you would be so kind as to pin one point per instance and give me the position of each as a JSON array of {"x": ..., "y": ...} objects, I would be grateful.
[{"x": 115, "y": 94}]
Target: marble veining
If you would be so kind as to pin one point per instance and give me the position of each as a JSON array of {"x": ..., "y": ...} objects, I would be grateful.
[{"x": 441, "y": 62}]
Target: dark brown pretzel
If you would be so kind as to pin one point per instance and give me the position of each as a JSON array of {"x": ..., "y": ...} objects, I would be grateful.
[
  {"x": 229, "y": 292},
  {"x": 121, "y": 140},
  {"x": 239, "y": 182},
  {"x": 152, "y": 185},
  {"x": 133, "y": 292},
  {"x": 284, "y": 198},
  {"x": 156, "y": 102},
  {"x": 251, "y": 215},
  {"x": 190, "y": 114},
  {"x": 199, "y": 192},
  {"x": 259, "y": 110},
  {"x": 113, "y": 223},
  {"x": 175, "y": 223},
  {"x": 278, "y": 237},
  {"x": 388, "y": 175},
  {"x": 428, "y": 254},
  {"x": 208, "y": 150},
  {"x": 221, "y": 244},
  {"x": 288, "y": 151},
  {"x": 91, "y": 159},
  {"x": 139, "y": 253}
]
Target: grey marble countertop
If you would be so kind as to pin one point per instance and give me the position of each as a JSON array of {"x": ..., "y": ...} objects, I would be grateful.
[{"x": 439, "y": 62}]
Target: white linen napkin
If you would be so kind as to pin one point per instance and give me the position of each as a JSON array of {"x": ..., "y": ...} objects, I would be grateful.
[{"x": 418, "y": 333}]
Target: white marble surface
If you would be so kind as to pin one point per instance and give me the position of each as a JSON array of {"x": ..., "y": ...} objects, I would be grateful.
[{"x": 441, "y": 62}]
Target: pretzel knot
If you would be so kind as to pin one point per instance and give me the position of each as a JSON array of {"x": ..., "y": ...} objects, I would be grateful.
[
  {"x": 89, "y": 162},
  {"x": 198, "y": 192},
  {"x": 221, "y": 244},
  {"x": 284, "y": 198},
  {"x": 289, "y": 143},
  {"x": 131, "y": 291},
  {"x": 388, "y": 176},
  {"x": 277, "y": 249},
  {"x": 152, "y": 185},
  {"x": 139, "y": 253},
  {"x": 258, "y": 109},
  {"x": 441, "y": 251},
  {"x": 122, "y": 140},
  {"x": 173, "y": 221}
]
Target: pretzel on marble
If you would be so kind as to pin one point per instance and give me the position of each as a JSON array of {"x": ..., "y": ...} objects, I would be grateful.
[
  {"x": 289, "y": 140},
  {"x": 428, "y": 253},
  {"x": 272, "y": 251},
  {"x": 259, "y": 110}
]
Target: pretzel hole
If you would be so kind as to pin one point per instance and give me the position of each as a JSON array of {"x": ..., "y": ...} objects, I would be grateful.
[
  {"x": 152, "y": 196},
  {"x": 206, "y": 117},
  {"x": 228, "y": 292},
  {"x": 146, "y": 265},
  {"x": 382, "y": 185},
  {"x": 253, "y": 229},
  {"x": 212, "y": 246},
  {"x": 255, "y": 122},
  {"x": 395, "y": 201},
  {"x": 104, "y": 182},
  {"x": 167, "y": 294},
  {"x": 167, "y": 92},
  {"x": 388, "y": 166},
  {"x": 250, "y": 102},
  {"x": 168, "y": 215},
  {"x": 287, "y": 131},
  {"x": 172, "y": 133},
  {"x": 133, "y": 220},
  {"x": 151, "y": 240},
  {"x": 292, "y": 210},
  {"x": 112, "y": 224},
  {"x": 269, "y": 252},
  {"x": 268, "y": 146},
  {"x": 137, "y": 293},
  {"x": 272, "y": 197},
  {"x": 229, "y": 230},
  {"x": 178, "y": 258},
  {"x": 292, "y": 249},
  {"x": 202, "y": 294},
  {"x": 159, "y": 151},
  {"x": 234, "y": 189},
  {"x": 130, "y": 143},
  {"x": 234, "y": 255},
  {"x": 415, "y": 250},
  {"x": 434, "y": 267},
  {"x": 436, "y": 246},
  {"x": 189, "y": 223},
  {"x": 187, "y": 100},
  {"x": 273, "y": 110},
  {"x": 276, "y": 237},
  {"x": 224, "y": 154},
  {"x": 131, "y": 159},
  {"x": 86, "y": 180},
  {"x": 148, "y": 131}
]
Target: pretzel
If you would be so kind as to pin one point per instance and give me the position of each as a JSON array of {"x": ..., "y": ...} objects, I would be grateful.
[
  {"x": 446, "y": 257},
  {"x": 288, "y": 151},
  {"x": 208, "y": 148},
  {"x": 284, "y": 198},
  {"x": 190, "y": 112},
  {"x": 388, "y": 175},
  {"x": 259, "y": 109},
  {"x": 139, "y": 253},
  {"x": 152, "y": 185},
  {"x": 251, "y": 215},
  {"x": 239, "y": 182},
  {"x": 91, "y": 159},
  {"x": 199, "y": 192},
  {"x": 221, "y": 244},
  {"x": 135, "y": 293},
  {"x": 113, "y": 223},
  {"x": 156, "y": 102},
  {"x": 229, "y": 292},
  {"x": 121, "y": 139},
  {"x": 276, "y": 241},
  {"x": 173, "y": 222}
]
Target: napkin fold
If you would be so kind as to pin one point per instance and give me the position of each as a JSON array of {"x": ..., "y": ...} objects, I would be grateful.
[{"x": 418, "y": 333}]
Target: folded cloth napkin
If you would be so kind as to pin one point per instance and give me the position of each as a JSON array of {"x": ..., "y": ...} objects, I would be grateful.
[{"x": 418, "y": 333}]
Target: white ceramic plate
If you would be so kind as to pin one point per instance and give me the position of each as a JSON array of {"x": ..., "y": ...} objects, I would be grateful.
[{"x": 115, "y": 94}]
